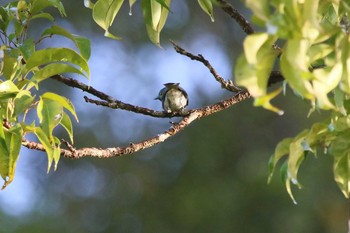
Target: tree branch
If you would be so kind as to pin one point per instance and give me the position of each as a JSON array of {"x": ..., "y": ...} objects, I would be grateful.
[
  {"x": 135, "y": 147},
  {"x": 240, "y": 19},
  {"x": 228, "y": 85},
  {"x": 141, "y": 110}
]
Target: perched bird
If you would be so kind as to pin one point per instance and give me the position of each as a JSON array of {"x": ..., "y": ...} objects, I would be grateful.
[{"x": 173, "y": 97}]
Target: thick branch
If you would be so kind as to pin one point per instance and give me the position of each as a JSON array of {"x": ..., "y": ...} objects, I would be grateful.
[{"x": 135, "y": 147}]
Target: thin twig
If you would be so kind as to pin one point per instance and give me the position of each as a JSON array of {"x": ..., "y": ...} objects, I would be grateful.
[
  {"x": 110, "y": 102},
  {"x": 240, "y": 19},
  {"x": 136, "y": 109},
  {"x": 228, "y": 85}
]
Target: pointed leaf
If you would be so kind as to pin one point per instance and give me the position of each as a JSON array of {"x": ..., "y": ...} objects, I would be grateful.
[
  {"x": 13, "y": 140},
  {"x": 104, "y": 12},
  {"x": 49, "y": 113},
  {"x": 8, "y": 90},
  {"x": 63, "y": 101},
  {"x": 207, "y": 7},
  {"x": 53, "y": 69},
  {"x": 45, "y": 141},
  {"x": 155, "y": 16},
  {"x": 50, "y": 55},
  {"x": 23, "y": 101},
  {"x": 83, "y": 44},
  {"x": 38, "y": 5},
  {"x": 264, "y": 101},
  {"x": 67, "y": 125}
]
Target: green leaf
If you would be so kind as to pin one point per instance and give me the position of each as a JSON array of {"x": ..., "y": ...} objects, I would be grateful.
[
  {"x": 253, "y": 69},
  {"x": 61, "y": 55},
  {"x": 45, "y": 141},
  {"x": 294, "y": 66},
  {"x": 63, "y": 101},
  {"x": 37, "y": 6},
  {"x": 282, "y": 149},
  {"x": 83, "y": 44},
  {"x": 296, "y": 155},
  {"x": 287, "y": 180},
  {"x": 264, "y": 101},
  {"x": 23, "y": 101},
  {"x": 10, "y": 65},
  {"x": 104, "y": 12},
  {"x": 27, "y": 48},
  {"x": 67, "y": 125},
  {"x": 8, "y": 160},
  {"x": 50, "y": 114},
  {"x": 8, "y": 90},
  {"x": 327, "y": 80},
  {"x": 207, "y": 7},
  {"x": 56, "y": 153},
  {"x": 5, "y": 19},
  {"x": 53, "y": 69},
  {"x": 43, "y": 16},
  {"x": 260, "y": 8},
  {"x": 155, "y": 16},
  {"x": 341, "y": 167}
]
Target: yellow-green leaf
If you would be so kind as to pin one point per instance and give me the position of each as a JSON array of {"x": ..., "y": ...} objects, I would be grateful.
[
  {"x": 207, "y": 7},
  {"x": 83, "y": 44},
  {"x": 54, "y": 55},
  {"x": 104, "y": 12},
  {"x": 63, "y": 101}
]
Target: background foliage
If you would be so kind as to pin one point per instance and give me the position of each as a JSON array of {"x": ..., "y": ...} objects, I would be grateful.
[{"x": 211, "y": 177}]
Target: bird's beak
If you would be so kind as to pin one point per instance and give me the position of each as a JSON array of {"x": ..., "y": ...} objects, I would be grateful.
[{"x": 157, "y": 98}]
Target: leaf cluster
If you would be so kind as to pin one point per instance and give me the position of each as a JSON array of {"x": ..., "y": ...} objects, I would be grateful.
[
  {"x": 23, "y": 68},
  {"x": 309, "y": 42}
]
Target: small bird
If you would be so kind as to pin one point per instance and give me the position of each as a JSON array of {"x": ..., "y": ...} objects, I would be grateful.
[{"x": 174, "y": 98}]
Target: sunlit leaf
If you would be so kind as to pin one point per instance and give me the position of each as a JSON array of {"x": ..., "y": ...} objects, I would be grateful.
[
  {"x": 56, "y": 152},
  {"x": 49, "y": 113},
  {"x": 67, "y": 125},
  {"x": 294, "y": 66},
  {"x": 43, "y": 16},
  {"x": 10, "y": 65},
  {"x": 64, "y": 102},
  {"x": 8, "y": 89},
  {"x": 45, "y": 141},
  {"x": 104, "y": 12},
  {"x": 53, "y": 69},
  {"x": 62, "y": 55},
  {"x": 282, "y": 149},
  {"x": 83, "y": 44},
  {"x": 265, "y": 101},
  {"x": 341, "y": 166},
  {"x": 37, "y": 6},
  {"x": 296, "y": 155},
  {"x": 253, "y": 70},
  {"x": 27, "y": 48},
  {"x": 13, "y": 142},
  {"x": 23, "y": 101},
  {"x": 260, "y": 8},
  {"x": 155, "y": 16},
  {"x": 207, "y": 7}
]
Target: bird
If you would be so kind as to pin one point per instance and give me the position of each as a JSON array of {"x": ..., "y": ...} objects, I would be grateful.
[{"x": 173, "y": 97}]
